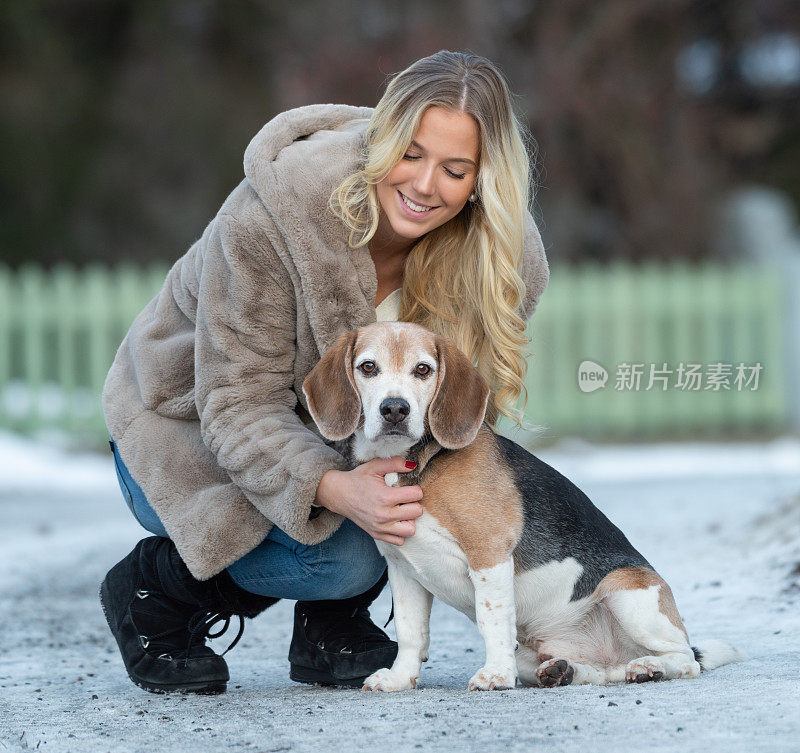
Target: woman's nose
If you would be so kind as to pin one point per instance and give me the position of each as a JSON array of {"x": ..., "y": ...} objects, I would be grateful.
[{"x": 425, "y": 180}]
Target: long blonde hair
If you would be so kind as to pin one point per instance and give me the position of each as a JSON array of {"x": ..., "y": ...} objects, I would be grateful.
[{"x": 461, "y": 280}]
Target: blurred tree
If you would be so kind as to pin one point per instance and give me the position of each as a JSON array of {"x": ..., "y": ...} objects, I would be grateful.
[
  {"x": 124, "y": 123},
  {"x": 633, "y": 160}
]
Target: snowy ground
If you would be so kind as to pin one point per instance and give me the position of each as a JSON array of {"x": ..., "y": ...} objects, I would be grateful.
[{"x": 720, "y": 522}]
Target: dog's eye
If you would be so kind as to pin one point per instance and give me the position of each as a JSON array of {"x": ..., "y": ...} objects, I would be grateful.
[
  {"x": 423, "y": 369},
  {"x": 368, "y": 367}
]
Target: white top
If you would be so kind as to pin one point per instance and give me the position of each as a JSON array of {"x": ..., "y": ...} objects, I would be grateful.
[{"x": 388, "y": 310}]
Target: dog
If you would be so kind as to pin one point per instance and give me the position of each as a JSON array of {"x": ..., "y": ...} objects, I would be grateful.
[{"x": 559, "y": 595}]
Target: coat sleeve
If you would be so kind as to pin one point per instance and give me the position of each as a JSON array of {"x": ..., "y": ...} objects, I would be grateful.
[
  {"x": 244, "y": 374},
  {"x": 535, "y": 271}
]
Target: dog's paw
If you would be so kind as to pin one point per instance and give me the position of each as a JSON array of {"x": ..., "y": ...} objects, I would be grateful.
[
  {"x": 487, "y": 678},
  {"x": 646, "y": 669},
  {"x": 555, "y": 672},
  {"x": 388, "y": 681}
]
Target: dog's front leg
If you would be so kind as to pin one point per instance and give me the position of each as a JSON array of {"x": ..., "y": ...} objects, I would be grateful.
[
  {"x": 412, "y": 613},
  {"x": 495, "y": 614}
]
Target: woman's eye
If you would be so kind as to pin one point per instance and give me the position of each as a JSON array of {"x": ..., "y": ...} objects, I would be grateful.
[
  {"x": 368, "y": 367},
  {"x": 423, "y": 369},
  {"x": 458, "y": 176}
]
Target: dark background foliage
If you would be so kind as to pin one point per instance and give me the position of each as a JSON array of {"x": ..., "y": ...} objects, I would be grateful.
[{"x": 123, "y": 122}]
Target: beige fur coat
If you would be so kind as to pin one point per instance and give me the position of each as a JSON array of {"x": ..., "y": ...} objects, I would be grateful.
[{"x": 204, "y": 397}]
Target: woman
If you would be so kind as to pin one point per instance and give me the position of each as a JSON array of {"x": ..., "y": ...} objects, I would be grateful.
[{"x": 414, "y": 211}]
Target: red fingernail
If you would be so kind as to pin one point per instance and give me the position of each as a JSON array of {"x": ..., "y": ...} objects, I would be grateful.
[{"x": 410, "y": 465}]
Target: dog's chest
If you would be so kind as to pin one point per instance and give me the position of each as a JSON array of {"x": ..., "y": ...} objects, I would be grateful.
[{"x": 432, "y": 557}]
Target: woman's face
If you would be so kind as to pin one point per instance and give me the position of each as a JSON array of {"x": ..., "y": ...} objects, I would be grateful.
[{"x": 436, "y": 175}]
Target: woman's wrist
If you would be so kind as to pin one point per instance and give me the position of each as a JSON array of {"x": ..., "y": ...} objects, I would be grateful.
[{"x": 326, "y": 495}]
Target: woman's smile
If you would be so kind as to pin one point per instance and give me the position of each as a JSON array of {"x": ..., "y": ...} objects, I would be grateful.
[{"x": 413, "y": 208}]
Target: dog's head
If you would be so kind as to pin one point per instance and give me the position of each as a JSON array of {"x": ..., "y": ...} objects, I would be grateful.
[{"x": 400, "y": 377}]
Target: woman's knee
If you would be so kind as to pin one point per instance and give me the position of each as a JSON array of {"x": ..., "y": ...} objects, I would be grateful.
[
  {"x": 345, "y": 565},
  {"x": 355, "y": 580}
]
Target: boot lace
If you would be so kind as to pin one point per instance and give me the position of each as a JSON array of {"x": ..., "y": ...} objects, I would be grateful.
[
  {"x": 199, "y": 628},
  {"x": 201, "y": 623}
]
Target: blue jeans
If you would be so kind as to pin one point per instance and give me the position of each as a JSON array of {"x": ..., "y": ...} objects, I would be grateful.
[{"x": 345, "y": 564}]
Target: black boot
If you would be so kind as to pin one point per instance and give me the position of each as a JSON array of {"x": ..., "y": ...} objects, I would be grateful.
[
  {"x": 161, "y": 615},
  {"x": 336, "y": 642}
]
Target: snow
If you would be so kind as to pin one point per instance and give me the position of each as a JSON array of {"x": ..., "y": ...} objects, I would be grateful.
[
  {"x": 29, "y": 467},
  {"x": 721, "y": 522}
]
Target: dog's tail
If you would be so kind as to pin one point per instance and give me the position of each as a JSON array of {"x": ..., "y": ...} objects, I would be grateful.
[{"x": 713, "y": 654}]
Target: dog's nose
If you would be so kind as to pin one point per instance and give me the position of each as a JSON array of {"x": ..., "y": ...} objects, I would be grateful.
[{"x": 395, "y": 409}]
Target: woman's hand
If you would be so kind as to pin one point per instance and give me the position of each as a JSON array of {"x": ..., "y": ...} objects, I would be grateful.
[{"x": 386, "y": 513}]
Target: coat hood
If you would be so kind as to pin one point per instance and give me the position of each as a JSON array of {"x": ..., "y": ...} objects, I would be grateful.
[
  {"x": 294, "y": 163},
  {"x": 329, "y": 131}
]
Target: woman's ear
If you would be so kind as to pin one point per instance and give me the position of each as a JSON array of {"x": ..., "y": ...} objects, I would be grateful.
[
  {"x": 330, "y": 390},
  {"x": 459, "y": 404}
]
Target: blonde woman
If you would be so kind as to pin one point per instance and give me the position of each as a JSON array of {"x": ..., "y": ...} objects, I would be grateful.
[{"x": 416, "y": 210}]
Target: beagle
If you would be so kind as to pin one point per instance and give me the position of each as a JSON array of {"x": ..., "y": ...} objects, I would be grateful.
[{"x": 558, "y": 593}]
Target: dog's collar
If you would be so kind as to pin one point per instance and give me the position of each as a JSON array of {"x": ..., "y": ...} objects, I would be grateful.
[{"x": 421, "y": 453}]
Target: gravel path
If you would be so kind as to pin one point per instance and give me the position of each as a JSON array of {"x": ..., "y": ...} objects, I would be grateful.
[{"x": 725, "y": 541}]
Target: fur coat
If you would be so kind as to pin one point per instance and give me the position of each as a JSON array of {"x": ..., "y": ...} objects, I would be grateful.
[{"x": 204, "y": 397}]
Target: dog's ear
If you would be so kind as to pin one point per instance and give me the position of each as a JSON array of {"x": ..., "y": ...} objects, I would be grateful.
[
  {"x": 330, "y": 390},
  {"x": 459, "y": 404}
]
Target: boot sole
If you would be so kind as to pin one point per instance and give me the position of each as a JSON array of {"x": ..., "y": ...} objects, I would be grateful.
[
  {"x": 202, "y": 688},
  {"x": 317, "y": 677}
]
